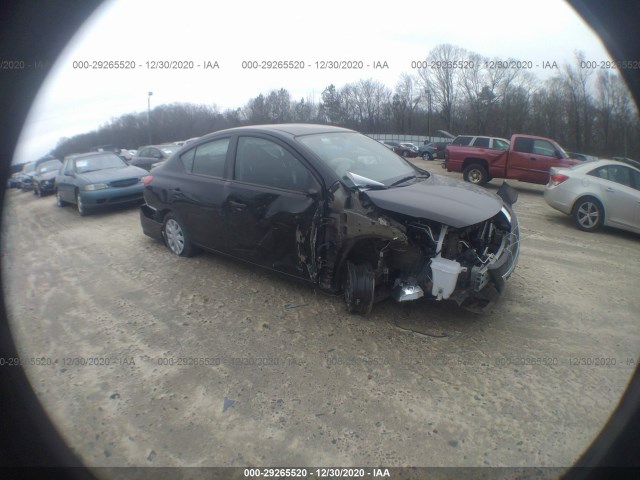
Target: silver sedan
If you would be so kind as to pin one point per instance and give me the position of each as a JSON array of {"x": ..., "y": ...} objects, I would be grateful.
[{"x": 602, "y": 192}]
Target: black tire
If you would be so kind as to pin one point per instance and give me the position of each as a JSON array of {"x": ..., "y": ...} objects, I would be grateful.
[
  {"x": 588, "y": 214},
  {"x": 359, "y": 288},
  {"x": 427, "y": 156},
  {"x": 176, "y": 237},
  {"x": 83, "y": 211},
  {"x": 476, "y": 174},
  {"x": 59, "y": 202}
]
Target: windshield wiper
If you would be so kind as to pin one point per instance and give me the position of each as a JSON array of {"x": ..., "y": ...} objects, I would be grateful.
[{"x": 402, "y": 180}]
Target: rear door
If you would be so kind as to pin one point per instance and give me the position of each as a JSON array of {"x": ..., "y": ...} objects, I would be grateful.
[
  {"x": 197, "y": 196},
  {"x": 270, "y": 206},
  {"x": 621, "y": 198}
]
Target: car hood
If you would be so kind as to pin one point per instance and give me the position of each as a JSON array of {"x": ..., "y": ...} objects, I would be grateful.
[
  {"x": 112, "y": 174},
  {"x": 441, "y": 199}
]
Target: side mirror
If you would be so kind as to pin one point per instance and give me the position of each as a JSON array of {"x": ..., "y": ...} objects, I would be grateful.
[{"x": 314, "y": 192}]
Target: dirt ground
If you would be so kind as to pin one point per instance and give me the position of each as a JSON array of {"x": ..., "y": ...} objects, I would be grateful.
[{"x": 154, "y": 360}]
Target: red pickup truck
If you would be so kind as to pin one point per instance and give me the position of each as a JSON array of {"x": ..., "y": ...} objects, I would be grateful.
[{"x": 526, "y": 158}]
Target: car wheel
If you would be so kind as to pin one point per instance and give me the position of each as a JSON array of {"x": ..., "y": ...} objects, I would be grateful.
[
  {"x": 588, "y": 214},
  {"x": 359, "y": 287},
  {"x": 475, "y": 174},
  {"x": 59, "y": 201},
  {"x": 176, "y": 238},
  {"x": 82, "y": 209}
]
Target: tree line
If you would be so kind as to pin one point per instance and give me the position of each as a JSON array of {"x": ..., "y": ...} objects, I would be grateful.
[{"x": 585, "y": 109}]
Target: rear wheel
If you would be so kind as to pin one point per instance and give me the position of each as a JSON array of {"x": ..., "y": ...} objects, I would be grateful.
[
  {"x": 476, "y": 174},
  {"x": 359, "y": 288},
  {"x": 588, "y": 214},
  {"x": 427, "y": 156},
  {"x": 176, "y": 237}
]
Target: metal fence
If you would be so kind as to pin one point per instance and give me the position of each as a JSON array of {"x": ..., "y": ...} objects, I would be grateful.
[{"x": 416, "y": 139}]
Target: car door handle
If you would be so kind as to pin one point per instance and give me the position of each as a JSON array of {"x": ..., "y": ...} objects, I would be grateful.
[
  {"x": 609, "y": 189},
  {"x": 532, "y": 158}
]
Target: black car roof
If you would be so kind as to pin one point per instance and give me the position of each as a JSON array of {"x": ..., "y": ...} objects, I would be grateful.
[{"x": 293, "y": 129}]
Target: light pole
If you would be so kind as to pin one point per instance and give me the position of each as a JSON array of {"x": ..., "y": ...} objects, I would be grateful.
[
  {"x": 429, "y": 114},
  {"x": 149, "y": 115}
]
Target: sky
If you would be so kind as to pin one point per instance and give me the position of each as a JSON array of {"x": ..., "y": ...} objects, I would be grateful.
[{"x": 74, "y": 100}]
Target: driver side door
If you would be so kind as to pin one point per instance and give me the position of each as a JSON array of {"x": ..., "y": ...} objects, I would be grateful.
[{"x": 272, "y": 207}]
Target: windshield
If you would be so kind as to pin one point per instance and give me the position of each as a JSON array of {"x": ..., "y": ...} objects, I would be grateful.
[
  {"x": 99, "y": 162},
  {"x": 28, "y": 168},
  {"x": 351, "y": 152},
  {"x": 52, "y": 166}
]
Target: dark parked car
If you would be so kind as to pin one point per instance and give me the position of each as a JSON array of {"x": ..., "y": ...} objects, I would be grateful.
[
  {"x": 45, "y": 176},
  {"x": 399, "y": 149},
  {"x": 14, "y": 181},
  {"x": 25, "y": 177},
  {"x": 148, "y": 156},
  {"x": 97, "y": 179},
  {"x": 334, "y": 208},
  {"x": 432, "y": 150}
]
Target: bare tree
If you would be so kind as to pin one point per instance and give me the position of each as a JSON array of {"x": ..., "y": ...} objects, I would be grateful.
[{"x": 442, "y": 80}]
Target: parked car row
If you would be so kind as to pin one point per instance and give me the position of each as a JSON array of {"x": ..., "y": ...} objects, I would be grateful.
[
  {"x": 432, "y": 150},
  {"x": 594, "y": 192}
]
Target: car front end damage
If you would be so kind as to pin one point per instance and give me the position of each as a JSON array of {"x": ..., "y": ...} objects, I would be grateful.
[{"x": 409, "y": 256}]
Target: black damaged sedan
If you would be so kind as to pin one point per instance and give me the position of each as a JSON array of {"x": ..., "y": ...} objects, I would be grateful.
[{"x": 337, "y": 209}]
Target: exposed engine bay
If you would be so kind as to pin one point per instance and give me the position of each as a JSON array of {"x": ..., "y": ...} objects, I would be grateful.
[{"x": 419, "y": 257}]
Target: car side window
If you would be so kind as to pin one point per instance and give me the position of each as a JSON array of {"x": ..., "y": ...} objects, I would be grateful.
[
  {"x": 619, "y": 174},
  {"x": 481, "y": 142},
  {"x": 187, "y": 159},
  {"x": 264, "y": 162},
  {"x": 500, "y": 144},
  {"x": 635, "y": 175},
  {"x": 523, "y": 145},
  {"x": 210, "y": 158},
  {"x": 542, "y": 147},
  {"x": 68, "y": 169},
  {"x": 600, "y": 173},
  {"x": 615, "y": 173}
]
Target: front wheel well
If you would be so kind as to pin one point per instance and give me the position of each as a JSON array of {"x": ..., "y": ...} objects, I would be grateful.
[{"x": 480, "y": 161}]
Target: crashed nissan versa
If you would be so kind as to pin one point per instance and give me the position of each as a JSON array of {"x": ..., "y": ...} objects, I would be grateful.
[{"x": 337, "y": 209}]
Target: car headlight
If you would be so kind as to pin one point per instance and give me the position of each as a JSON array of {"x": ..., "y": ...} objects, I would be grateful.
[{"x": 95, "y": 186}]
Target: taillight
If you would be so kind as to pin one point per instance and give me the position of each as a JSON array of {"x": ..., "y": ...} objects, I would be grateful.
[
  {"x": 556, "y": 179},
  {"x": 146, "y": 180}
]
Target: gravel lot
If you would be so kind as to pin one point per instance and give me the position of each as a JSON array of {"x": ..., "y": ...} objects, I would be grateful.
[{"x": 279, "y": 375}]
